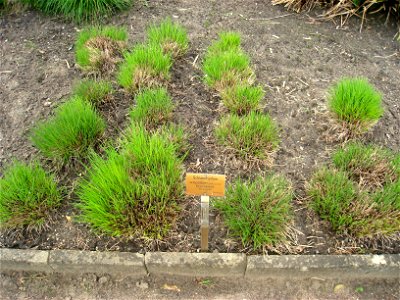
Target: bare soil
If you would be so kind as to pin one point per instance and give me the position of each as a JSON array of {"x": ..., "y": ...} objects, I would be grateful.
[
  {"x": 296, "y": 58},
  {"x": 18, "y": 285}
]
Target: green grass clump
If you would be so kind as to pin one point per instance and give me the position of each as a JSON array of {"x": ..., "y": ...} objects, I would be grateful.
[
  {"x": 81, "y": 10},
  {"x": 144, "y": 67},
  {"x": 99, "y": 49},
  {"x": 360, "y": 193},
  {"x": 242, "y": 99},
  {"x": 227, "y": 41},
  {"x": 73, "y": 129},
  {"x": 351, "y": 209},
  {"x": 258, "y": 211},
  {"x": 227, "y": 69},
  {"x": 368, "y": 165},
  {"x": 355, "y": 103},
  {"x": 95, "y": 92},
  {"x": 253, "y": 136},
  {"x": 27, "y": 196},
  {"x": 133, "y": 192},
  {"x": 172, "y": 37},
  {"x": 153, "y": 108}
]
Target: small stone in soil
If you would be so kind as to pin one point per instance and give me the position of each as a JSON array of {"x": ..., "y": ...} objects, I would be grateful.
[{"x": 142, "y": 284}]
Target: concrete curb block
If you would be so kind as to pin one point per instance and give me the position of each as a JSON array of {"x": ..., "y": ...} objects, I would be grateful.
[
  {"x": 196, "y": 264},
  {"x": 114, "y": 263},
  {"x": 24, "y": 260},
  {"x": 202, "y": 264},
  {"x": 324, "y": 266}
]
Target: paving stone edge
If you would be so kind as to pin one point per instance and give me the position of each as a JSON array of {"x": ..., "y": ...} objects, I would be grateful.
[{"x": 202, "y": 264}]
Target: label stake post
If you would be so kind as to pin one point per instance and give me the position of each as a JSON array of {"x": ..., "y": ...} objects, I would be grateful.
[
  {"x": 204, "y": 222},
  {"x": 205, "y": 185}
]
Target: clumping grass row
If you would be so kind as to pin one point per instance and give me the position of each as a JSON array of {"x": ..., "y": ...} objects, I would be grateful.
[
  {"x": 360, "y": 193},
  {"x": 133, "y": 192},
  {"x": 258, "y": 211},
  {"x": 227, "y": 69},
  {"x": 28, "y": 195},
  {"x": 246, "y": 131}
]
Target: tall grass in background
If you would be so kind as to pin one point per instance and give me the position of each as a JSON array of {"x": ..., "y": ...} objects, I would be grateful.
[{"x": 80, "y": 10}]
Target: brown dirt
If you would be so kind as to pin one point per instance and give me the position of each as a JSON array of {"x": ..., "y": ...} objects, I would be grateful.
[
  {"x": 18, "y": 285},
  {"x": 296, "y": 59}
]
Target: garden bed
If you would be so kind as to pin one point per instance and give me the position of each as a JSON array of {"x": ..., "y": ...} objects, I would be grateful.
[{"x": 296, "y": 59}]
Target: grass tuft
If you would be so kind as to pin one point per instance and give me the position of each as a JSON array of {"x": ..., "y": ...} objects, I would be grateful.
[
  {"x": 352, "y": 210},
  {"x": 95, "y": 92},
  {"x": 369, "y": 166},
  {"x": 258, "y": 211},
  {"x": 356, "y": 104},
  {"x": 171, "y": 36},
  {"x": 81, "y": 10},
  {"x": 361, "y": 196},
  {"x": 27, "y": 196},
  {"x": 227, "y": 41},
  {"x": 144, "y": 67},
  {"x": 73, "y": 129},
  {"x": 227, "y": 69},
  {"x": 253, "y": 136},
  {"x": 242, "y": 99},
  {"x": 133, "y": 192},
  {"x": 99, "y": 49},
  {"x": 153, "y": 108}
]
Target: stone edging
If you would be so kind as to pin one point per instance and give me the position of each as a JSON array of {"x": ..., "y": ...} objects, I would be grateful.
[{"x": 202, "y": 264}]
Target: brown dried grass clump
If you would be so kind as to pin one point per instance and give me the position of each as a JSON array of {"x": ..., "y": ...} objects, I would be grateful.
[
  {"x": 145, "y": 78},
  {"x": 370, "y": 166},
  {"x": 344, "y": 9},
  {"x": 104, "y": 54}
]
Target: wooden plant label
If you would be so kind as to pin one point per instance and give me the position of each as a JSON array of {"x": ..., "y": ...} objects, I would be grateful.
[
  {"x": 198, "y": 184},
  {"x": 205, "y": 185}
]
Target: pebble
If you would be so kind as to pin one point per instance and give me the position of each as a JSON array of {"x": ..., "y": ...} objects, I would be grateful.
[
  {"x": 142, "y": 284},
  {"x": 47, "y": 103},
  {"x": 103, "y": 279},
  {"x": 339, "y": 288}
]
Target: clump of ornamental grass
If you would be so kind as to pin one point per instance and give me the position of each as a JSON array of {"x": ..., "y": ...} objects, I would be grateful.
[
  {"x": 153, "y": 108},
  {"x": 254, "y": 136},
  {"x": 350, "y": 209},
  {"x": 258, "y": 211},
  {"x": 370, "y": 166},
  {"x": 227, "y": 69},
  {"x": 356, "y": 105},
  {"x": 242, "y": 99},
  {"x": 95, "y": 92},
  {"x": 99, "y": 49},
  {"x": 227, "y": 41},
  {"x": 28, "y": 195},
  {"x": 71, "y": 132},
  {"x": 170, "y": 36},
  {"x": 145, "y": 67},
  {"x": 80, "y": 10},
  {"x": 133, "y": 192},
  {"x": 360, "y": 194}
]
